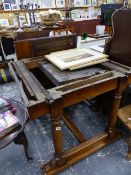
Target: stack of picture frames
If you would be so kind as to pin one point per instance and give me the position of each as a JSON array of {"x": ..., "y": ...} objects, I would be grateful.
[{"x": 76, "y": 58}]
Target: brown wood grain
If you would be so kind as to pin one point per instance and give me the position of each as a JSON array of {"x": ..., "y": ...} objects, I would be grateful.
[
  {"x": 41, "y": 46},
  {"x": 57, "y": 98}
]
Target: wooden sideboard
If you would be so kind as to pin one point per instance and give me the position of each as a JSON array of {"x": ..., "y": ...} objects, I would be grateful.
[{"x": 80, "y": 26}]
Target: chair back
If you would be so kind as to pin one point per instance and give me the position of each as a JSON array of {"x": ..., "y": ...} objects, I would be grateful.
[
  {"x": 2, "y": 58},
  {"x": 118, "y": 47},
  {"x": 7, "y": 45}
]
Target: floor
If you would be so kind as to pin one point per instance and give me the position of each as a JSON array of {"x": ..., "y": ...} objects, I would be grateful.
[{"x": 108, "y": 161}]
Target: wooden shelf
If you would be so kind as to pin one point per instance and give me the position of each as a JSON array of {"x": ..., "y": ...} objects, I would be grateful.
[{"x": 41, "y": 9}]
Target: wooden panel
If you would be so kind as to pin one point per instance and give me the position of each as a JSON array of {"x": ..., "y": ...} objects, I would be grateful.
[
  {"x": 73, "y": 26},
  {"x": 47, "y": 45},
  {"x": 40, "y": 46},
  {"x": 82, "y": 26},
  {"x": 37, "y": 34},
  {"x": 88, "y": 26},
  {"x": 23, "y": 49},
  {"x": 32, "y": 34}
]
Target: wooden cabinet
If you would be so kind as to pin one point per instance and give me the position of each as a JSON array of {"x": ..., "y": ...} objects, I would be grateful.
[
  {"x": 81, "y": 26},
  {"x": 88, "y": 26},
  {"x": 73, "y": 26}
]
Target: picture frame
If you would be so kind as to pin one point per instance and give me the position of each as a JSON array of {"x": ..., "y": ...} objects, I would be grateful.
[
  {"x": 6, "y": 6},
  {"x": 99, "y": 48},
  {"x": 94, "y": 3},
  {"x": 87, "y": 3},
  {"x": 15, "y": 7},
  {"x": 4, "y": 22},
  {"x": 76, "y": 58}
]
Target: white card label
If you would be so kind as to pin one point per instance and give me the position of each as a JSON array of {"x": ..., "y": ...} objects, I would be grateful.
[{"x": 58, "y": 128}]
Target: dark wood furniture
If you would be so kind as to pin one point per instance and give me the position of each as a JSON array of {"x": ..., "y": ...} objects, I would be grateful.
[
  {"x": 18, "y": 136},
  {"x": 32, "y": 34},
  {"x": 83, "y": 25},
  {"x": 124, "y": 114},
  {"x": 40, "y": 46},
  {"x": 118, "y": 49},
  {"x": 37, "y": 34},
  {"x": 118, "y": 46},
  {"x": 41, "y": 97},
  {"x": 42, "y": 94}
]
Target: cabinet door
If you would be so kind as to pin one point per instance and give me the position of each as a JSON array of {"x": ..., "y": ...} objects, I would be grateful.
[{"x": 88, "y": 26}]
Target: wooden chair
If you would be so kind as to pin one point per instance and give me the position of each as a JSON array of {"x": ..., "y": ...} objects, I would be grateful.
[
  {"x": 124, "y": 115},
  {"x": 118, "y": 49},
  {"x": 7, "y": 45}
]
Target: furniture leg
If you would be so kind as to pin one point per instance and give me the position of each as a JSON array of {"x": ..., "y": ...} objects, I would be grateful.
[
  {"x": 129, "y": 147},
  {"x": 21, "y": 139},
  {"x": 65, "y": 158},
  {"x": 115, "y": 107},
  {"x": 56, "y": 113}
]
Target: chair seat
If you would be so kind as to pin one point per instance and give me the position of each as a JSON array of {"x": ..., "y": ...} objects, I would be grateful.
[
  {"x": 124, "y": 114},
  {"x": 11, "y": 57}
]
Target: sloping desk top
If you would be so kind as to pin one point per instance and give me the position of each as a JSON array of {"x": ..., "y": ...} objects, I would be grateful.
[
  {"x": 59, "y": 77},
  {"x": 99, "y": 79}
]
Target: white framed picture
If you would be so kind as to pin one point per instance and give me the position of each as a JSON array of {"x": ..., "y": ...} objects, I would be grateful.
[
  {"x": 4, "y": 22},
  {"x": 76, "y": 58},
  {"x": 7, "y": 6},
  {"x": 15, "y": 7}
]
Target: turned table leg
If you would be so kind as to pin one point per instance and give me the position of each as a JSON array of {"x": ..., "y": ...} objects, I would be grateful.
[
  {"x": 113, "y": 114},
  {"x": 115, "y": 107},
  {"x": 55, "y": 114},
  {"x": 22, "y": 140}
]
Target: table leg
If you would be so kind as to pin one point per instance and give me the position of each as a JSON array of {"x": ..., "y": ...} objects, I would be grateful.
[
  {"x": 55, "y": 114},
  {"x": 115, "y": 107},
  {"x": 21, "y": 139},
  {"x": 129, "y": 148}
]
